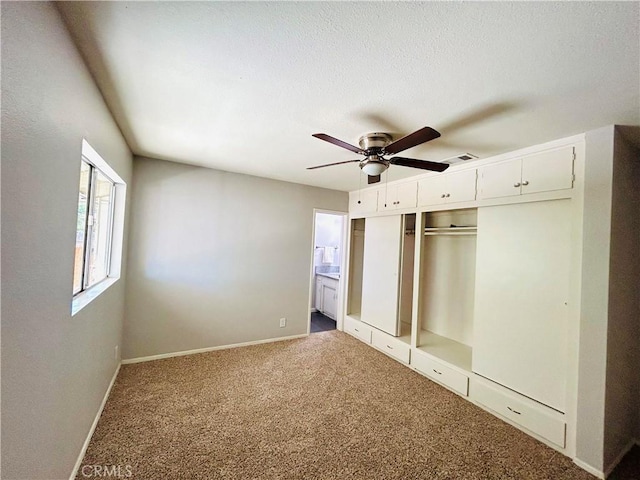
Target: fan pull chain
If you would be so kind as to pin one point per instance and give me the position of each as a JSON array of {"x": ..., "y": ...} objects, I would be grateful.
[
  {"x": 386, "y": 183},
  {"x": 360, "y": 188}
]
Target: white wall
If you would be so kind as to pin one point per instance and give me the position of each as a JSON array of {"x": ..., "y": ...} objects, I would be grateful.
[
  {"x": 598, "y": 185},
  {"x": 608, "y": 381},
  {"x": 55, "y": 367},
  {"x": 217, "y": 258}
]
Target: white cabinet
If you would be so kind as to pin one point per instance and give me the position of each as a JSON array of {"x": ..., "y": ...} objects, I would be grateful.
[
  {"x": 380, "y": 281},
  {"x": 357, "y": 329},
  {"x": 441, "y": 373},
  {"x": 447, "y": 188},
  {"x": 363, "y": 201},
  {"x": 391, "y": 346},
  {"x": 520, "y": 410},
  {"x": 318, "y": 295},
  {"x": 541, "y": 172},
  {"x": 521, "y": 298},
  {"x": 327, "y": 296},
  {"x": 398, "y": 196}
]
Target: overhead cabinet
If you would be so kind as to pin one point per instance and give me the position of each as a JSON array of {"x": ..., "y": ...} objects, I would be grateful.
[
  {"x": 447, "y": 188},
  {"x": 399, "y": 196},
  {"x": 363, "y": 202},
  {"x": 542, "y": 172}
]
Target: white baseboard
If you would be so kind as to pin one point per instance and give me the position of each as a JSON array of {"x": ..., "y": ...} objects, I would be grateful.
[
  {"x": 94, "y": 425},
  {"x": 604, "y": 474},
  {"x": 589, "y": 468},
  {"x": 209, "y": 349},
  {"x": 618, "y": 459}
]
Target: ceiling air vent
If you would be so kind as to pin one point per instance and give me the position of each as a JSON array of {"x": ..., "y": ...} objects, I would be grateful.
[{"x": 464, "y": 157}]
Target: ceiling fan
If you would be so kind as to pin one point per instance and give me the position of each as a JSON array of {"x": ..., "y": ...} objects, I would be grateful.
[{"x": 374, "y": 147}]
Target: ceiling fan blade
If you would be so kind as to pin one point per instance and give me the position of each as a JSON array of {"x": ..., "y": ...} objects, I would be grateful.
[
  {"x": 373, "y": 179},
  {"x": 416, "y": 138},
  {"x": 423, "y": 164},
  {"x": 340, "y": 143},
  {"x": 331, "y": 164}
]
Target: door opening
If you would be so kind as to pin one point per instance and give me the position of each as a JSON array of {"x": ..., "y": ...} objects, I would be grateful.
[{"x": 326, "y": 277}]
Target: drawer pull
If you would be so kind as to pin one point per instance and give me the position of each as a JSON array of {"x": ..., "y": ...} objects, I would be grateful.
[
  {"x": 356, "y": 330},
  {"x": 390, "y": 347},
  {"x": 514, "y": 411},
  {"x": 439, "y": 373}
]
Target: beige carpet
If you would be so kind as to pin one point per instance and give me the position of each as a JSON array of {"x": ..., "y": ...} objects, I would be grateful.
[{"x": 322, "y": 407}]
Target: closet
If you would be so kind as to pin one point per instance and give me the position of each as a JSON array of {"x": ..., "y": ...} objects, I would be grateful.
[{"x": 472, "y": 288}]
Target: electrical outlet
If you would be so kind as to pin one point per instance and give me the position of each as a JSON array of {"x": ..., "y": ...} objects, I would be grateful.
[
  {"x": 283, "y": 322},
  {"x": 116, "y": 353}
]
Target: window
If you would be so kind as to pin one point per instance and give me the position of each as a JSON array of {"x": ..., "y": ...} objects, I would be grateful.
[
  {"x": 99, "y": 228},
  {"x": 94, "y": 227}
]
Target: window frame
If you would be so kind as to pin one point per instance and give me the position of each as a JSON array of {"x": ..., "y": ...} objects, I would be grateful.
[
  {"x": 88, "y": 229},
  {"x": 116, "y": 233}
]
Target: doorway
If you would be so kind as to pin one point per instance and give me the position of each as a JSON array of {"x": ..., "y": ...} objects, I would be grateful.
[{"x": 328, "y": 265}]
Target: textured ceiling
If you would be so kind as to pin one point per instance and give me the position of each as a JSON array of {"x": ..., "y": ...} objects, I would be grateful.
[{"x": 242, "y": 86}]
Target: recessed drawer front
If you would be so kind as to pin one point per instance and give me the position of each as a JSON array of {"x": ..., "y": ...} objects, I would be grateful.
[
  {"x": 531, "y": 415},
  {"x": 441, "y": 373},
  {"x": 392, "y": 346},
  {"x": 357, "y": 329}
]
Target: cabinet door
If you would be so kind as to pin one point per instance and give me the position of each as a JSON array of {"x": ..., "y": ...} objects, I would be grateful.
[
  {"x": 361, "y": 202},
  {"x": 387, "y": 197},
  {"x": 500, "y": 179},
  {"x": 318, "y": 304},
  {"x": 380, "y": 273},
  {"x": 406, "y": 195},
  {"x": 329, "y": 301},
  {"x": 461, "y": 186},
  {"x": 546, "y": 171},
  {"x": 431, "y": 190},
  {"x": 521, "y": 295}
]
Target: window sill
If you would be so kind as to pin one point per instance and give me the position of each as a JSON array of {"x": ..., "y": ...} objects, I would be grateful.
[{"x": 85, "y": 298}]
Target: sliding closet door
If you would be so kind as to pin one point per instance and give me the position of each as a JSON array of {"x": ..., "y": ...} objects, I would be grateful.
[
  {"x": 380, "y": 273},
  {"x": 522, "y": 285}
]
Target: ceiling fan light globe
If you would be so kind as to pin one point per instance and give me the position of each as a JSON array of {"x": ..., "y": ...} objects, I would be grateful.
[{"x": 373, "y": 168}]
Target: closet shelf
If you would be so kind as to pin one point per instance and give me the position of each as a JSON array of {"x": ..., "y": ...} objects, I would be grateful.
[{"x": 450, "y": 230}]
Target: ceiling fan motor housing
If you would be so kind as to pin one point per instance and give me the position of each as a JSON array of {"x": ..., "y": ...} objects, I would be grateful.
[
  {"x": 373, "y": 144},
  {"x": 374, "y": 141}
]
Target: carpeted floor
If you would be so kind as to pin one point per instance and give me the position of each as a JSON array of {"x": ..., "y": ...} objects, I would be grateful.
[{"x": 322, "y": 407}]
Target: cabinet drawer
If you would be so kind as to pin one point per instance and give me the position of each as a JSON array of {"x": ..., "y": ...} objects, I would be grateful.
[
  {"x": 527, "y": 413},
  {"x": 357, "y": 329},
  {"x": 391, "y": 346},
  {"x": 441, "y": 373}
]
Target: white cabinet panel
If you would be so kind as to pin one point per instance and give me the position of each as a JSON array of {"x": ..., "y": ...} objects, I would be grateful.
[
  {"x": 391, "y": 346},
  {"x": 533, "y": 417},
  {"x": 546, "y": 171},
  {"x": 432, "y": 190},
  {"x": 380, "y": 273},
  {"x": 540, "y": 172},
  {"x": 447, "y": 188},
  {"x": 394, "y": 197},
  {"x": 521, "y": 295},
  {"x": 440, "y": 373},
  {"x": 318, "y": 295},
  {"x": 461, "y": 186},
  {"x": 500, "y": 179},
  {"x": 329, "y": 300},
  {"x": 357, "y": 329},
  {"x": 362, "y": 202}
]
